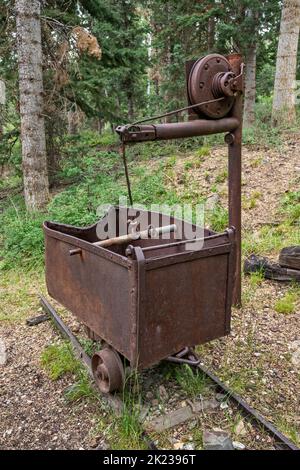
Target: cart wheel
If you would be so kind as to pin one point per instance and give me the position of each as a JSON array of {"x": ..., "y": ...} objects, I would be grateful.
[{"x": 108, "y": 370}]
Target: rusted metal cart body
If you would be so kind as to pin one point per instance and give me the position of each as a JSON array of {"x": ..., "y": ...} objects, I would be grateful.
[{"x": 150, "y": 305}]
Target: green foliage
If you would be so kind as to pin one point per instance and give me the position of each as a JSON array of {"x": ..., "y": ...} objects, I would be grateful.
[
  {"x": 21, "y": 236},
  {"x": 256, "y": 278},
  {"x": 270, "y": 240},
  {"x": 95, "y": 177},
  {"x": 82, "y": 388},
  {"x": 286, "y": 304},
  {"x": 218, "y": 218},
  {"x": 153, "y": 150},
  {"x": 193, "y": 383},
  {"x": 188, "y": 165},
  {"x": 251, "y": 201},
  {"x": 288, "y": 428},
  {"x": 128, "y": 427},
  {"x": 58, "y": 359},
  {"x": 262, "y": 132},
  {"x": 10, "y": 152},
  {"x": 291, "y": 206},
  {"x": 203, "y": 151},
  {"x": 89, "y": 345},
  {"x": 265, "y": 80},
  {"x": 221, "y": 177}
]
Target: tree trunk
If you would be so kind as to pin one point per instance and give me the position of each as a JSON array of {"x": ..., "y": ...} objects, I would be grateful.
[
  {"x": 284, "y": 111},
  {"x": 2, "y": 103},
  {"x": 250, "y": 86},
  {"x": 211, "y": 26},
  {"x": 72, "y": 122},
  {"x": 130, "y": 103},
  {"x": 211, "y": 29},
  {"x": 100, "y": 125},
  {"x": 34, "y": 158}
]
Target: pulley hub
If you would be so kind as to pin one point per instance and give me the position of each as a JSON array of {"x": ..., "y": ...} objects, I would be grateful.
[{"x": 210, "y": 78}]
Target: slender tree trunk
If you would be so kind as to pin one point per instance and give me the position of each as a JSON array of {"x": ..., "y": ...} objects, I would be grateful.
[
  {"x": 99, "y": 125},
  {"x": 211, "y": 30},
  {"x": 250, "y": 86},
  {"x": 72, "y": 122},
  {"x": 284, "y": 111},
  {"x": 211, "y": 34},
  {"x": 2, "y": 103},
  {"x": 130, "y": 103},
  {"x": 34, "y": 158}
]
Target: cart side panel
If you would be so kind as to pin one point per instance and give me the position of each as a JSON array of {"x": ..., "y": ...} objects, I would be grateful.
[
  {"x": 185, "y": 305},
  {"x": 96, "y": 290}
]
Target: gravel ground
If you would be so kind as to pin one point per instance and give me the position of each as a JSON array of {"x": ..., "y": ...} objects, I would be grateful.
[{"x": 34, "y": 413}]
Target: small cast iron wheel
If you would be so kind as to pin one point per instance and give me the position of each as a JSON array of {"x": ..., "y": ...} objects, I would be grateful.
[{"x": 108, "y": 370}]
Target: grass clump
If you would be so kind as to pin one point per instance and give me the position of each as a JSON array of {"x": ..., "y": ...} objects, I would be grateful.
[
  {"x": 222, "y": 177},
  {"x": 188, "y": 165},
  {"x": 287, "y": 304},
  {"x": 291, "y": 207},
  {"x": 218, "y": 218},
  {"x": 256, "y": 162},
  {"x": 289, "y": 429},
  {"x": 256, "y": 278},
  {"x": 203, "y": 152},
  {"x": 270, "y": 239},
  {"x": 193, "y": 383},
  {"x": 82, "y": 388},
  {"x": 58, "y": 359},
  {"x": 128, "y": 431},
  {"x": 251, "y": 202}
]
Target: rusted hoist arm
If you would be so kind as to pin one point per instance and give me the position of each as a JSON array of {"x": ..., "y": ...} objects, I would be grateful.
[{"x": 177, "y": 130}]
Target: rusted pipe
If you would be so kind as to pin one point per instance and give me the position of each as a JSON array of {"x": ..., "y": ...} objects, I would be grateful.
[
  {"x": 178, "y": 130},
  {"x": 195, "y": 128},
  {"x": 151, "y": 232}
]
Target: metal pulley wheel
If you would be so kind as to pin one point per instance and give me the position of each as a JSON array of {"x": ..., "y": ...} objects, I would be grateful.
[
  {"x": 108, "y": 370},
  {"x": 210, "y": 79}
]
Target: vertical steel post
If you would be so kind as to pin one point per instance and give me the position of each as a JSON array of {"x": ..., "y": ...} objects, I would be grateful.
[{"x": 234, "y": 141}]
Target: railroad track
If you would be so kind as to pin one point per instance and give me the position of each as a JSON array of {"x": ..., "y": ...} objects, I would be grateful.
[{"x": 115, "y": 402}]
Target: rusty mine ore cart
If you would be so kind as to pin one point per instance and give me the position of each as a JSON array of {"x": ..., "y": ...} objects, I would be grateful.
[{"x": 151, "y": 299}]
